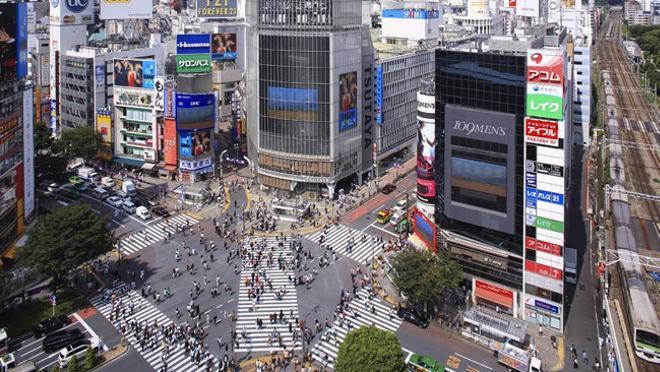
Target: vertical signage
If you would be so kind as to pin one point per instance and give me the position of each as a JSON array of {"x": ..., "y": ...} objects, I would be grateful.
[{"x": 379, "y": 94}]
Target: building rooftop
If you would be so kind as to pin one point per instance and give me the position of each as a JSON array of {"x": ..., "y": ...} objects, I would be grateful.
[{"x": 386, "y": 50}]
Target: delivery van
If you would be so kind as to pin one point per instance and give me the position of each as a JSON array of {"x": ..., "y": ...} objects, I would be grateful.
[{"x": 108, "y": 182}]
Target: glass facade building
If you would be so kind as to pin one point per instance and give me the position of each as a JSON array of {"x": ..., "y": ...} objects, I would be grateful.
[
  {"x": 305, "y": 132},
  {"x": 480, "y": 110}
]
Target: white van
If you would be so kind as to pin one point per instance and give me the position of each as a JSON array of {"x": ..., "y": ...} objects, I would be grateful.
[
  {"x": 129, "y": 207},
  {"x": 107, "y": 182},
  {"x": 143, "y": 212},
  {"x": 100, "y": 193},
  {"x": 78, "y": 348}
]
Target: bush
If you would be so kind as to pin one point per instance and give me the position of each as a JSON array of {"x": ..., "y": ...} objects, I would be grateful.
[
  {"x": 56, "y": 368},
  {"x": 73, "y": 365},
  {"x": 91, "y": 360}
]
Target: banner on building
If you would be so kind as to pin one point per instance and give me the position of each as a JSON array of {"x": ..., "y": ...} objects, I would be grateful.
[
  {"x": 217, "y": 8},
  {"x": 13, "y": 50},
  {"x": 104, "y": 125},
  {"x": 135, "y": 73},
  {"x": 193, "y": 63},
  {"x": 193, "y": 43},
  {"x": 224, "y": 46},
  {"x": 545, "y": 66},
  {"x": 126, "y": 9},
  {"x": 348, "y": 93},
  {"x": 542, "y": 132}
]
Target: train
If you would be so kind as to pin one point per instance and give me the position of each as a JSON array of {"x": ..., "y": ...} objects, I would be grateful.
[{"x": 643, "y": 319}]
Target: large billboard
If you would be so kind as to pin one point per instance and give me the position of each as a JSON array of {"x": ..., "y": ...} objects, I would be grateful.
[
  {"x": 126, "y": 9},
  {"x": 545, "y": 101},
  {"x": 542, "y": 132},
  {"x": 72, "y": 12},
  {"x": 411, "y": 13},
  {"x": 545, "y": 66},
  {"x": 169, "y": 142},
  {"x": 527, "y": 8},
  {"x": 193, "y": 43},
  {"x": 348, "y": 93},
  {"x": 425, "y": 229},
  {"x": 28, "y": 152},
  {"x": 479, "y": 164},
  {"x": 224, "y": 46},
  {"x": 193, "y": 144},
  {"x": 217, "y": 8},
  {"x": 13, "y": 41},
  {"x": 379, "y": 94},
  {"x": 426, "y": 144},
  {"x": 195, "y": 111},
  {"x": 135, "y": 73},
  {"x": 193, "y": 63},
  {"x": 104, "y": 125},
  {"x": 292, "y": 103}
]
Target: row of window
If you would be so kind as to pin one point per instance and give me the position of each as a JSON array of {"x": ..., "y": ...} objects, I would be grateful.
[{"x": 307, "y": 168}]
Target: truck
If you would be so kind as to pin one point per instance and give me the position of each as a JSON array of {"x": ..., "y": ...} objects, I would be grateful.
[
  {"x": 88, "y": 174},
  {"x": 570, "y": 265},
  {"x": 128, "y": 187}
]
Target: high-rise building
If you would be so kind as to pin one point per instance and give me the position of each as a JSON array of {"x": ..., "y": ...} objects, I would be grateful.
[
  {"x": 311, "y": 85},
  {"x": 17, "y": 201},
  {"x": 492, "y": 166}
]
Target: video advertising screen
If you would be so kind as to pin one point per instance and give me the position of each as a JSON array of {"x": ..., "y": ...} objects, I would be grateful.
[
  {"x": 292, "y": 103},
  {"x": 479, "y": 183}
]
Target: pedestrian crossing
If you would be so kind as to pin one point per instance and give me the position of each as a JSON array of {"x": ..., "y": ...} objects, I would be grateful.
[
  {"x": 145, "y": 312},
  {"x": 251, "y": 338},
  {"x": 340, "y": 236},
  {"x": 370, "y": 312},
  {"x": 153, "y": 234}
]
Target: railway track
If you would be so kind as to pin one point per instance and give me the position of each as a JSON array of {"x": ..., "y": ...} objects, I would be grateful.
[{"x": 643, "y": 164}]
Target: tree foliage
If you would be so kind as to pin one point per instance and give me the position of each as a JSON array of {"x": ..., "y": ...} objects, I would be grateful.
[
  {"x": 369, "y": 349},
  {"x": 424, "y": 278},
  {"x": 56, "y": 368},
  {"x": 84, "y": 142},
  {"x": 42, "y": 137},
  {"x": 65, "y": 239},
  {"x": 73, "y": 365},
  {"x": 90, "y": 359}
]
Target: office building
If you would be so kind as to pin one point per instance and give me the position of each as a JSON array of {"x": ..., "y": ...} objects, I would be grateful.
[
  {"x": 490, "y": 162},
  {"x": 17, "y": 198},
  {"x": 311, "y": 94}
]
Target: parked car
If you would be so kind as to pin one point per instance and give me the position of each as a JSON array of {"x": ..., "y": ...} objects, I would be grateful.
[
  {"x": 69, "y": 192},
  {"x": 115, "y": 201},
  {"x": 75, "y": 180},
  {"x": 53, "y": 187},
  {"x": 387, "y": 189},
  {"x": 129, "y": 207},
  {"x": 50, "y": 325},
  {"x": 143, "y": 212},
  {"x": 107, "y": 182},
  {"x": 78, "y": 349},
  {"x": 411, "y": 315},
  {"x": 57, "y": 340},
  {"x": 81, "y": 187},
  {"x": 160, "y": 211}
]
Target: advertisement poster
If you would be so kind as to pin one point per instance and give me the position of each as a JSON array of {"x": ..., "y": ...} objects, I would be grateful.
[
  {"x": 195, "y": 111},
  {"x": 169, "y": 142},
  {"x": 545, "y": 67},
  {"x": 542, "y": 132},
  {"x": 194, "y": 143},
  {"x": 379, "y": 94},
  {"x": 426, "y": 190},
  {"x": 425, "y": 149},
  {"x": 425, "y": 229},
  {"x": 126, "y": 9},
  {"x": 223, "y": 46},
  {"x": 193, "y": 44},
  {"x": 217, "y": 8},
  {"x": 348, "y": 92},
  {"x": 545, "y": 101},
  {"x": 193, "y": 63},
  {"x": 104, "y": 126},
  {"x": 13, "y": 41},
  {"x": 134, "y": 73}
]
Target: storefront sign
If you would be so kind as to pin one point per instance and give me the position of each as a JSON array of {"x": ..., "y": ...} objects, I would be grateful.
[
  {"x": 379, "y": 94},
  {"x": 548, "y": 224},
  {"x": 530, "y": 179},
  {"x": 545, "y": 66},
  {"x": 550, "y": 169},
  {"x": 193, "y": 44},
  {"x": 197, "y": 164},
  {"x": 550, "y": 197},
  {"x": 541, "y": 246},
  {"x": 493, "y": 293},
  {"x": 547, "y": 307},
  {"x": 530, "y": 198},
  {"x": 217, "y": 8},
  {"x": 542, "y": 132},
  {"x": 544, "y": 270},
  {"x": 193, "y": 63}
]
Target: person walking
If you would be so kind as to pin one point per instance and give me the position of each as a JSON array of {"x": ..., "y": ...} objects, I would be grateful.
[{"x": 585, "y": 358}]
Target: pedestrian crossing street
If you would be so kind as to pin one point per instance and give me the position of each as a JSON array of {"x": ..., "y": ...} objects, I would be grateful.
[
  {"x": 325, "y": 350},
  {"x": 338, "y": 237},
  {"x": 146, "y": 312},
  {"x": 153, "y": 234},
  {"x": 249, "y": 309}
]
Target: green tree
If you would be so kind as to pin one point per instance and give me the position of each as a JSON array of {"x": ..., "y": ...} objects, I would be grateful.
[
  {"x": 84, "y": 142},
  {"x": 90, "y": 359},
  {"x": 368, "y": 349},
  {"x": 56, "y": 368},
  {"x": 424, "y": 277},
  {"x": 73, "y": 365},
  {"x": 42, "y": 137},
  {"x": 64, "y": 239}
]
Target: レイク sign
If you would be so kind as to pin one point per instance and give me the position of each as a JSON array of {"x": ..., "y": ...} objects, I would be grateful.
[{"x": 542, "y": 132}]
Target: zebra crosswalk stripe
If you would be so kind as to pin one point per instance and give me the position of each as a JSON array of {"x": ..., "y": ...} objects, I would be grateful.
[
  {"x": 249, "y": 310},
  {"x": 153, "y": 234},
  {"x": 146, "y": 312},
  {"x": 380, "y": 316},
  {"x": 339, "y": 236}
]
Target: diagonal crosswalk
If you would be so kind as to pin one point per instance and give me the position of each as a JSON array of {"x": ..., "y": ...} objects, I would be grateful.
[
  {"x": 339, "y": 237},
  {"x": 154, "y": 234},
  {"x": 280, "y": 295},
  {"x": 370, "y": 312},
  {"x": 147, "y": 313}
]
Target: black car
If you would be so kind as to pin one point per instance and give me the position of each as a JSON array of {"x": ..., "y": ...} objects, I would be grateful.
[
  {"x": 388, "y": 188},
  {"x": 412, "y": 316},
  {"x": 60, "y": 339},
  {"x": 50, "y": 325},
  {"x": 160, "y": 211}
]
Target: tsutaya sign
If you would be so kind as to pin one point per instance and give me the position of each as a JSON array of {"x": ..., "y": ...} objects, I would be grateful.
[{"x": 471, "y": 127}]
